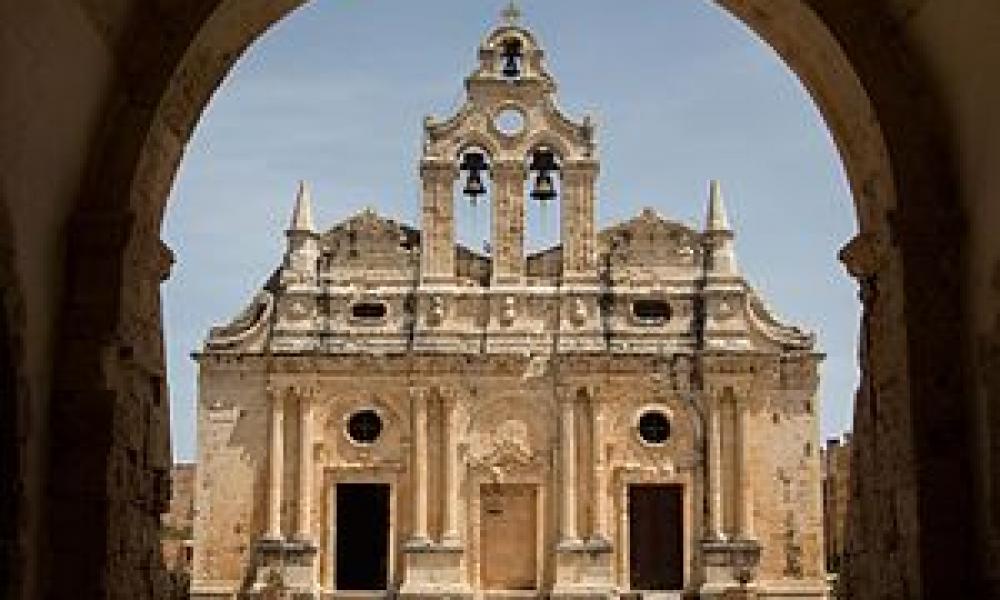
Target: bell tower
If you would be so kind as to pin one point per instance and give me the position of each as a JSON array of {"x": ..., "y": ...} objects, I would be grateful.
[{"x": 510, "y": 141}]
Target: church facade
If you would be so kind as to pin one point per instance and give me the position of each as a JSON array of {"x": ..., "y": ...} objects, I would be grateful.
[{"x": 397, "y": 414}]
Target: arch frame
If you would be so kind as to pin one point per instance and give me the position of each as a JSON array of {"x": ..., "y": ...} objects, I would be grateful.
[{"x": 861, "y": 74}]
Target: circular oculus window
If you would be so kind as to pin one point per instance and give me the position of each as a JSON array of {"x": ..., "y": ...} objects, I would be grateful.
[
  {"x": 364, "y": 426},
  {"x": 509, "y": 121},
  {"x": 654, "y": 427}
]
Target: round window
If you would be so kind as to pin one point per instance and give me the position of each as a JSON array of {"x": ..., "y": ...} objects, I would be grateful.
[
  {"x": 364, "y": 426},
  {"x": 654, "y": 427},
  {"x": 509, "y": 121}
]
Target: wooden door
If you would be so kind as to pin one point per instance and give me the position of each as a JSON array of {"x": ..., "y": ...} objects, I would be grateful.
[
  {"x": 656, "y": 537},
  {"x": 509, "y": 536}
]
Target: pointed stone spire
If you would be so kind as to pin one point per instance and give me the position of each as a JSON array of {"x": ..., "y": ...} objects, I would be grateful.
[
  {"x": 302, "y": 250},
  {"x": 717, "y": 219},
  {"x": 721, "y": 253},
  {"x": 302, "y": 215}
]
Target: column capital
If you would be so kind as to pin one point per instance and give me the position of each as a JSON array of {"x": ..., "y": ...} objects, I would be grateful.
[
  {"x": 435, "y": 168},
  {"x": 292, "y": 390},
  {"x": 450, "y": 397},
  {"x": 509, "y": 168},
  {"x": 418, "y": 392},
  {"x": 581, "y": 166},
  {"x": 864, "y": 255}
]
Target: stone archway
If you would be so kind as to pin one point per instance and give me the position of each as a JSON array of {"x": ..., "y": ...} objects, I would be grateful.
[{"x": 110, "y": 401}]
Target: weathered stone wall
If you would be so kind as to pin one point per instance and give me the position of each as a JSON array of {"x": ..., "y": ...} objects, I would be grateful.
[
  {"x": 177, "y": 524},
  {"x": 786, "y": 487},
  {"x": 231, "y": 486},
  {"x": 509, "y": 429},
  {"x": 836, "y": 495}
]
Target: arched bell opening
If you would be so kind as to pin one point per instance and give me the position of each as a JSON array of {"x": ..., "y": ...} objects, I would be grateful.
[
  {"x": 473, "y": 198},
  {"x": 542, "y": 211},
  {"x": 510, "y": 60}
]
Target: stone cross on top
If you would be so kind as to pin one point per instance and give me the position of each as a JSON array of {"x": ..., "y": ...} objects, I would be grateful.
[{"x": 512, "y": 14}]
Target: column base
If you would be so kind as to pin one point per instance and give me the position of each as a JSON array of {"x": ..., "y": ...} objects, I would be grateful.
[
  {"x": 435, "y": 571},
  {"x": 730, "y": 567},
  {"x": 285, "y": 567},
  {"x": 584, "y": 570}
]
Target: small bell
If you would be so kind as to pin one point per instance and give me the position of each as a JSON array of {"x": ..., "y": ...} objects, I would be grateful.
[
  {"x": 543, "y": 160},
  {"x": 474, "y": 163},
  {"x": 474, "y": 186},
  {"x": 512, "y": 55},
  {"x": 544, "y": 163},
  {"x": 544, "y": 189}
]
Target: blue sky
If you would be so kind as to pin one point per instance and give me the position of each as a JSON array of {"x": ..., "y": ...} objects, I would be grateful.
[{"x": 682, "y": 93}]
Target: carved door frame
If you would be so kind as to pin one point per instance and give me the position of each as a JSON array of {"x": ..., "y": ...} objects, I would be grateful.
[
  {"x": 327, "y": 563},
  {"x": 475, "y": 528},
  {"x": 624, "y": 478}
]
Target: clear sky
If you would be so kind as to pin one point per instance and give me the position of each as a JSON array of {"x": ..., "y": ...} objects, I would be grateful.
[{"x": 682, "y": 93}]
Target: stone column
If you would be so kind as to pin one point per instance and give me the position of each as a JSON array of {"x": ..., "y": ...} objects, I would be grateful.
[
  {"x": 450, "y": 500},
  {"x": 275, "y": 452},
  {"x": 568, "y": 445},
  {"x": 508, "y": 222},
  {"x": 577, "y": 219},
  {"x": 438, "y": 208},
  {"x": 715, "y": 469},
  {"x": 419, "y": 462},
  {"x": 599, "y": 493},
  {"x": 305, "y": 466},
  {"x": 745, "y": 529}
]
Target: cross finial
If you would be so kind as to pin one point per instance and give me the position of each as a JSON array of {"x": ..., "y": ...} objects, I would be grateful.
[{"x": 512, "y": 14}]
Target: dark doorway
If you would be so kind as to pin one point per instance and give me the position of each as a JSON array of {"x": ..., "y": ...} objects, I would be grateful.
[
  {"x": 656, "y": 537},
  {"x": 362, "y": 536}
]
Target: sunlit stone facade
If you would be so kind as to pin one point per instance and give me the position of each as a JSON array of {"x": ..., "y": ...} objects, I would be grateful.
[{"x": 395, "y": 413}]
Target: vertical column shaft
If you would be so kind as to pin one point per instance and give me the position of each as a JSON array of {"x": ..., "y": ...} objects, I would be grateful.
[
  {"x": 275, "y": 452},
  {"x": 577, "y": 218},
  {"x": 568, "y": 444},
  {"x": 715, "y": 470},
  {"x": 746, "y": 500},
  {"x": 438, "y": 222},
  {"x": 599, "y": 492},
  {"x": 450, "y": 497},
  {"x": 305, "y": 467},
  {"x": 508, "y": 222},
  {"x": 420, "y": 476}
]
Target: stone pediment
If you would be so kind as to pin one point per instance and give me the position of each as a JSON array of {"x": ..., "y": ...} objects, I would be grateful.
[
  {"x": 371, "y": 242},
  {"x": 649, "y": 240}
]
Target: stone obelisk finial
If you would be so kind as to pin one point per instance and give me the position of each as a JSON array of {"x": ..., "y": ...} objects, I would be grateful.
[
  {"x": 717, "y": 219},
  {"x": 302, "y": 214},
  {"x": 719, "y": 234}
]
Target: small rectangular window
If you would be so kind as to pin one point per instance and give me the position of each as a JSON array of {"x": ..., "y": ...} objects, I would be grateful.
[
  {"x": 651, "y": 310},
  {"x": 369, "y": 310}
]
